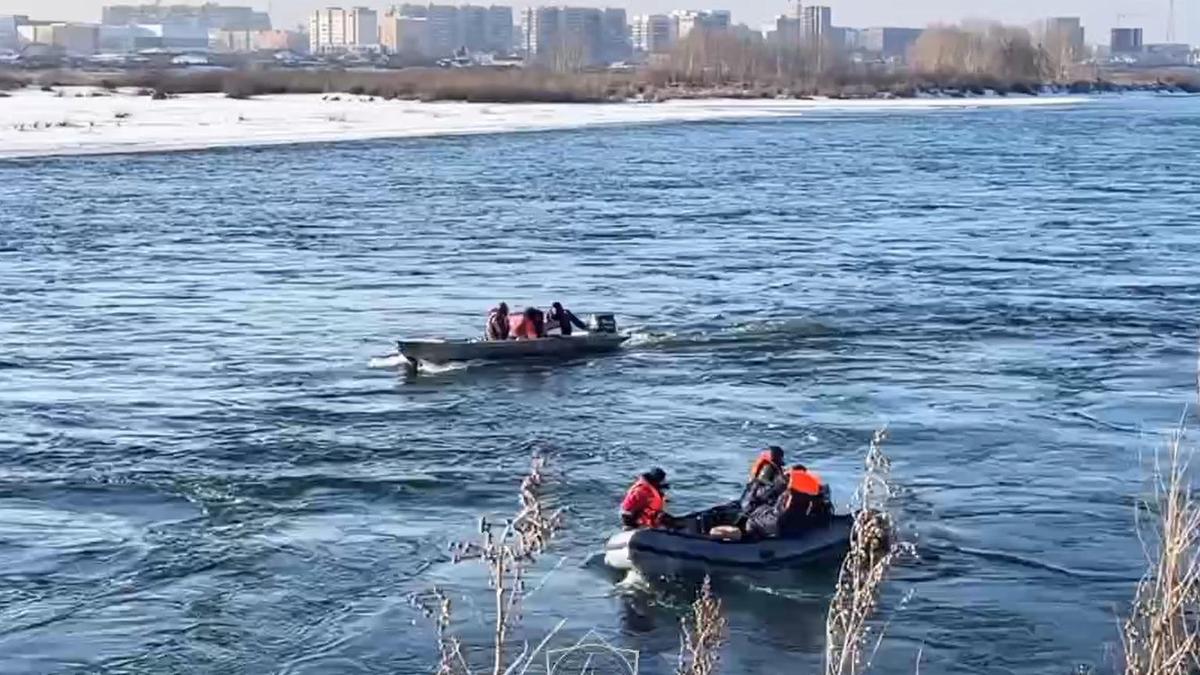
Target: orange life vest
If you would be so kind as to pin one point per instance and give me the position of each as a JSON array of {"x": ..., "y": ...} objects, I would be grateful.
[
  {"x": 520, "y": 327},
  {"x": 804, "y": 482},
  {"x": 764, "y": 459},
  {"x": 651, "y": 515}
]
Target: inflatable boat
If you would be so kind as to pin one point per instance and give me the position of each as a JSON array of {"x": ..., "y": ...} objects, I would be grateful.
[
  {"x": 672, "y": 552},
  {"x": 602, "y": 337}
]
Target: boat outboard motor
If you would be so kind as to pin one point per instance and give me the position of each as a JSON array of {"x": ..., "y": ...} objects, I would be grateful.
[{"x": 602, "y": 323}]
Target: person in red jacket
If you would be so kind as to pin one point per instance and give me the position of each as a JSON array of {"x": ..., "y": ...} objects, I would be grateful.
[
  {"x": 528, "y": 325},
  {"x": 645, "y": 504}
]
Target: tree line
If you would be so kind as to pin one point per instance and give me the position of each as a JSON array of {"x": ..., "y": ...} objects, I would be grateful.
[{"x": 984, "y": 52}]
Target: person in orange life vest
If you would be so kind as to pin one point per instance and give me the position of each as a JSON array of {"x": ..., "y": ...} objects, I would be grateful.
[
  {"x": 497, "y": 323},
  {"x": 563, "y": 319},
  {"x": 645, "y": 503},
  {"x": 805, "y": 504},
  {"x": 768, "y": 479},
  {"x": 528, "y": 325}
]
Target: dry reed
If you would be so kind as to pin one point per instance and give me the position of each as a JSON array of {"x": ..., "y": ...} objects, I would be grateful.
[
  {"x": 703, "y": 635},
  {"x": 1161, "y": 635},
  {"x": 508, "y": 549},
  {"x": 874, "y": 547}
]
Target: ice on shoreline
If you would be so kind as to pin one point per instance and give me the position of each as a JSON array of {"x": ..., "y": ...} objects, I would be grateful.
[{"x": 36, "y": 123}]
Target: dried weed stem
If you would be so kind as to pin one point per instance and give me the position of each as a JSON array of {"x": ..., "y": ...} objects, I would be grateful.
[
  {"x": 703, "y": 635},
  {"x": 508, "y": 551},
  {"x": 1161, "y": 636},
  {"x": 873, "y": 549}
]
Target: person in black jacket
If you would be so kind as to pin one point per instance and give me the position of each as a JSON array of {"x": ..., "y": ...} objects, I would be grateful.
[
  {"x": 562, "y": 318},
  {"x": 804, "y": 505},
  {"x": 768, "y": 479}
]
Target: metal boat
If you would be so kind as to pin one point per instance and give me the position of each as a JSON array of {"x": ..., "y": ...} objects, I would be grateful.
[
  {"x": 602, "y": 337},
  {"x": 673, "y": 552}
]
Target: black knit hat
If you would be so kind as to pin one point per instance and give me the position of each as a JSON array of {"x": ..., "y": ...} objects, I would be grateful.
[{"x": 657, "y": 477}]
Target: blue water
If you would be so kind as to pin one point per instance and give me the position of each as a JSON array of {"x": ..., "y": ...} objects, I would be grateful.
[{"x": 206, "y": 464}]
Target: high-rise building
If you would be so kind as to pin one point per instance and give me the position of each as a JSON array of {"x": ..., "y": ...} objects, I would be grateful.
[
  {"x": 74, "y": 39},
  {"x": 787, "y": 30},
  {"x": 534, "y": 24},
  {"x": 401, "y": 34},
  {"x": 499, "y": 29},
  {"x": 615, "y": 35},
  {"x": 582, "y": 35},
  {"x": 571, "y": 37},
  {"x": 445, "y": 29},
  {"x": 815, "y": 23},
  {"x": 334, "y": 29},
  {"x": 718, "y": 19},
  {"x": 8, "y": 30},
  {"x": 327, "y": 30},
  {"x": 448, "y": 28},
  {"x": 891, "y": 44},
  {"x": 472, "y": 21},
  {"x": 211, "y": 15},
  {"x": 687, "y": 20},
  {"x": 652, "y": 33},
  {"x": 1126, "y": 41},
  {"x": 363, "y": 28},
  {"x": 36, "y": 32},
  {"x": 1063, "y": 30}
]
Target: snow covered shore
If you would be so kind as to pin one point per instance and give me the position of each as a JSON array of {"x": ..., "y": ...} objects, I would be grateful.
[{"x": 84, "y": 121}]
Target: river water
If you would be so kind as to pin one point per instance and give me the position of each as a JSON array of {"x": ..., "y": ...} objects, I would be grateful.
[{"x": 208, "y": 464}]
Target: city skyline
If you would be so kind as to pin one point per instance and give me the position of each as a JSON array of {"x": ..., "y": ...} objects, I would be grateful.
[{"x": 1098, "y": 16}]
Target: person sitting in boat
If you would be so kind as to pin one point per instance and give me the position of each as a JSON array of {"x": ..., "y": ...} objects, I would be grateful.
[
  {"x": 563, "y": 319},
  {"x": 645, "y": 504},
  {"x": 497, "y": 323},
  {"x": 804, "y": 505},
  {"x": 768, "y": 479},
  {"x": 528, "y": 325}
]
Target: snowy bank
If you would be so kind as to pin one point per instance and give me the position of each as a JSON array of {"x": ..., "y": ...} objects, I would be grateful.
[{"x": 39, "y": 123}]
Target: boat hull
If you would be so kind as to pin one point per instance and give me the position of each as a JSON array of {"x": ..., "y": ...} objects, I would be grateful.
[
  {"x": 449, "y": 351},
  {"x": 667, "y": 553}
]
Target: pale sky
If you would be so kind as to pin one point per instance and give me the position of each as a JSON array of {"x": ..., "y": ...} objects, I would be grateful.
[{"x": 1098, "y": 15}]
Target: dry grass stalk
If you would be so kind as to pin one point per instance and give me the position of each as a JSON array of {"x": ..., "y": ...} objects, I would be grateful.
[
  {"x": 703, "y": 634},
  {"x": 507, "y": 551},
  {"x": 873, "y": 549},
  {"x": 1161, "y": 636}
]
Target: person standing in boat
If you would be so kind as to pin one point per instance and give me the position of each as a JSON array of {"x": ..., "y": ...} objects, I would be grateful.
[
  {"x": 528, "y": 325},
  {"x": 768, "y": 479},
  {"x": 497, "y": 323},
  {"x": 645, "y": 503},
  {"x": 563, "y": 319}
]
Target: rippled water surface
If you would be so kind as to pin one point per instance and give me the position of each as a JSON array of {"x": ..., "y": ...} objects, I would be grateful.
[{"x": 202, "y": 471}]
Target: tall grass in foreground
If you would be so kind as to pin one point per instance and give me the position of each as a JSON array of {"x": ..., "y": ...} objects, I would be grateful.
[
  {"x": 507, "y": 551},
  {"x": 1161, "y": 635},
  {"x": 703, "y": 635},
  {"x": 874, "y": 547}
]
